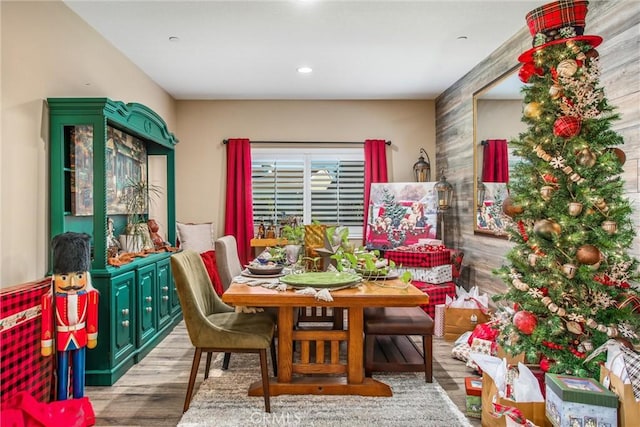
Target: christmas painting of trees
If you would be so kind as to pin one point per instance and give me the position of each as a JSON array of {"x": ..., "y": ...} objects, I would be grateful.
[{"x": 570, "y": 280}]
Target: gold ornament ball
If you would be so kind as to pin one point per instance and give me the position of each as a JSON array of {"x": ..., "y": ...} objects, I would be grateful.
[
  {"x": 546, "y": 192},
  {"x": 586, "y": 158},
  {"x": 510, "y": 209},
  {"x": 547, "y": 229},
  {"x": 532, "y": 110},
  {"x": 575, "y": 208},
  {"x": 588, "y": 254},
  {"x": 622, "y": 157},
  {"x": 567, "y": 67},
  {"x": 555, "y": 91},
  {"x": 592, "y": 54}
]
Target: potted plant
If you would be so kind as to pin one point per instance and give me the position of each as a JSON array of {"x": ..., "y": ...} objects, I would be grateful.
[
  {"x": 136, "y": 196},
  {"x": 295, "y": 239}
]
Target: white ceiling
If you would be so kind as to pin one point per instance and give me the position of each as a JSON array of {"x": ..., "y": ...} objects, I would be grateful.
[{"x": 357, "y": 49}]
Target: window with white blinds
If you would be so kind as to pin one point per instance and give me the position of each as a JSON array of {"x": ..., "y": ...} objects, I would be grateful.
[{"x": 319, "y": 184}]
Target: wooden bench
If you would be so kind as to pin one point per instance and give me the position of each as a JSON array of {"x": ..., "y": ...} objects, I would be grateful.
[{"x": 387, "y": 347}]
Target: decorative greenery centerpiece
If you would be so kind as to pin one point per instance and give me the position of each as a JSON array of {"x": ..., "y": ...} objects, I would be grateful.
[{"x": 366, "y": 263}]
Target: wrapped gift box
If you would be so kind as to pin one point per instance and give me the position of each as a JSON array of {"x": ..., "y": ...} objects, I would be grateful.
[
  {"x": 419, "y": 258},
  {"x": 473, "y": 388},
  {"x": 437, "y": 296},
  {"x": 575, "y": 401},
  {"x": 22, "y": 367},
  {"x": 433, "y": 275}
]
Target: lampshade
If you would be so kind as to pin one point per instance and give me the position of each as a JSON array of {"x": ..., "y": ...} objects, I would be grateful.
[
  {"x": 422, "y": 168},
  {"x": 445, "y": 193}
]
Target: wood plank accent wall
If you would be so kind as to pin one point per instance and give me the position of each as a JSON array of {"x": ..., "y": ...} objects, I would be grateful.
[{"x": 617, "y": 22}]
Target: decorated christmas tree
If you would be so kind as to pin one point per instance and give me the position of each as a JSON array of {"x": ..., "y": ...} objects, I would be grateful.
[{"x": 570, "y": 279}]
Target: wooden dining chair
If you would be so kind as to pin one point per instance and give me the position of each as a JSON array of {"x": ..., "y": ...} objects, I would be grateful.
[{"x": 213, "y": 326}]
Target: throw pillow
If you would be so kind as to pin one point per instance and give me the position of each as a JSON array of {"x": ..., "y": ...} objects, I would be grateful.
[
  {"x": 209, "y": 259},
  {"x": 196, "y": 237}
]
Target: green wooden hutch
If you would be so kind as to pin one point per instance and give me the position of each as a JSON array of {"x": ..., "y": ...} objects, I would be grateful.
[{"x": 95, "y": 145}]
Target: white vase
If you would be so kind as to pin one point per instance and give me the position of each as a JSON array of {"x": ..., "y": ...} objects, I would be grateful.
[
  {"x": 130, "y": 242},
  {"x": 292, "y": 252}
]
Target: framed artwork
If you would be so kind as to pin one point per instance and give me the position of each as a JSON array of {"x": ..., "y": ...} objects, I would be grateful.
[
  {"x": 490, "y": 218},
  {"x": 81, "y": 166},
  {"x": 401, "y": 213},
  {"x": 126, "y": 163}
]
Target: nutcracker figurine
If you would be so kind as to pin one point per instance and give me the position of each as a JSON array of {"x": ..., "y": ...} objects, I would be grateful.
[{"x": 70, "y": 309}]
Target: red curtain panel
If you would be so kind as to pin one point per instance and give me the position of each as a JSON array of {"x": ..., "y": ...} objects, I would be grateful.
[
  {"x": 239, "y": 201},
  {"x": 495, "y": 161},
  {"x": 375, "y": 170}
]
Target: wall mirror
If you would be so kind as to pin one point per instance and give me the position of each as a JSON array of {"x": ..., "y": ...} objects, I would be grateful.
[{"x": 497, "y": 114}]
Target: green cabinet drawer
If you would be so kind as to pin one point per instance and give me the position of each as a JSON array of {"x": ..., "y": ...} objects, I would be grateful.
[
  {"x": 164, "y": 279},
  {"x": 123, "y": 322},
  {"x": 147, "y": 325}
]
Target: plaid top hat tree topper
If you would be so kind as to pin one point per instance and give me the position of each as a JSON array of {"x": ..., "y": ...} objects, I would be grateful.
[
  {"x": 569, "y": 271},
  {"x": 70, "y": 311}
]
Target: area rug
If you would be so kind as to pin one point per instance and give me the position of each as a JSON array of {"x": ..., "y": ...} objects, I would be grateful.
[{"x": 222, "y": 400}]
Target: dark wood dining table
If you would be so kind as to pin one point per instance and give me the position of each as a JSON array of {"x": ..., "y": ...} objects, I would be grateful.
[{"x": 312, "y": 372}]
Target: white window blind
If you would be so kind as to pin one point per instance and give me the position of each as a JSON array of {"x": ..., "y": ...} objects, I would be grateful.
[{"x": 323, "y": 185}]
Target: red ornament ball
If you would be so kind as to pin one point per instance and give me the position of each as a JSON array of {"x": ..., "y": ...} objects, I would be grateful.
[
  {"x": 545, "y": 364},
  {"x": 527, "y": 71},
  {"x": 567, "y": 126},
  {"x": 525, "y": 321}
]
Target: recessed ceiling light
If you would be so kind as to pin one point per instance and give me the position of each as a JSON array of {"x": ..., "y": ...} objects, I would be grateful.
[
  {"x": 174, "y": 38},
  {"x": 304, "y": 70}
]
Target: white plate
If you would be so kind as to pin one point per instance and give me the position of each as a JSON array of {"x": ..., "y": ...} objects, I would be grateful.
[{"x": 247, "y": 273}]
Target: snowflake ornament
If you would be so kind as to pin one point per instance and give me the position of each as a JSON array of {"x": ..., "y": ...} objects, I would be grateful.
[
  {"x": 576, "y": 317},
  {"x": 535, "y": 293},
  {"x": 626, "y": 331},
  {"x": 557, "y": 162}
]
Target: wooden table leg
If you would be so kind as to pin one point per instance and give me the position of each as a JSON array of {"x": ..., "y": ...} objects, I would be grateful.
[
  {"x": 285, "y": 344},
  {"x": 355, "y": 368},
  {"x": 354, "y": 383}
]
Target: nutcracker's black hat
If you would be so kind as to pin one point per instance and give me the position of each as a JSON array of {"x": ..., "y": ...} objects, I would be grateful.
[{"x": 71, "y": 252}]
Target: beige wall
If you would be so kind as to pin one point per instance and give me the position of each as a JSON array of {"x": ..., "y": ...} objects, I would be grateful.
[
  {"x": 47, "y": 51},
  {"x": 202, "y": 125}
]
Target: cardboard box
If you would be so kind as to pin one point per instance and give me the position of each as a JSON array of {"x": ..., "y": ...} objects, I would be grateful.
[
  {"x": 473, "y": 388},
  {"x": 457, "y": 321},
  {"x": 629, "y": 409},
  {"x": 579, "y": 401},
  {"x": 533, "y": 411}
]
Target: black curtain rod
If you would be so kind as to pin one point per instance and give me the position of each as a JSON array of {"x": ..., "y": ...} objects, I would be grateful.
[{"x": 225, "y": 141}]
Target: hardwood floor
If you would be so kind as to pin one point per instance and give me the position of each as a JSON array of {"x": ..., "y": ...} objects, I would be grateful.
[{"x": 152, "y": 392}]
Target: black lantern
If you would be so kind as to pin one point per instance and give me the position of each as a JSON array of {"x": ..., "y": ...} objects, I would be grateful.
[
  {"x": 445, "y": 193},
  {"x": 422, "y": 168},
  {"x": 482, "y": 190}
]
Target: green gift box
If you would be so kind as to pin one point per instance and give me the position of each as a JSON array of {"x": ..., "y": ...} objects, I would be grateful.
[
  {"x": 473, "y": 387},
  {"x": 574, "y": 401}
]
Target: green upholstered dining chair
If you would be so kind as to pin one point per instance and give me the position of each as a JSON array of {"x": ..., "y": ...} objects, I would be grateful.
[{"x": 213, "y": 326}]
